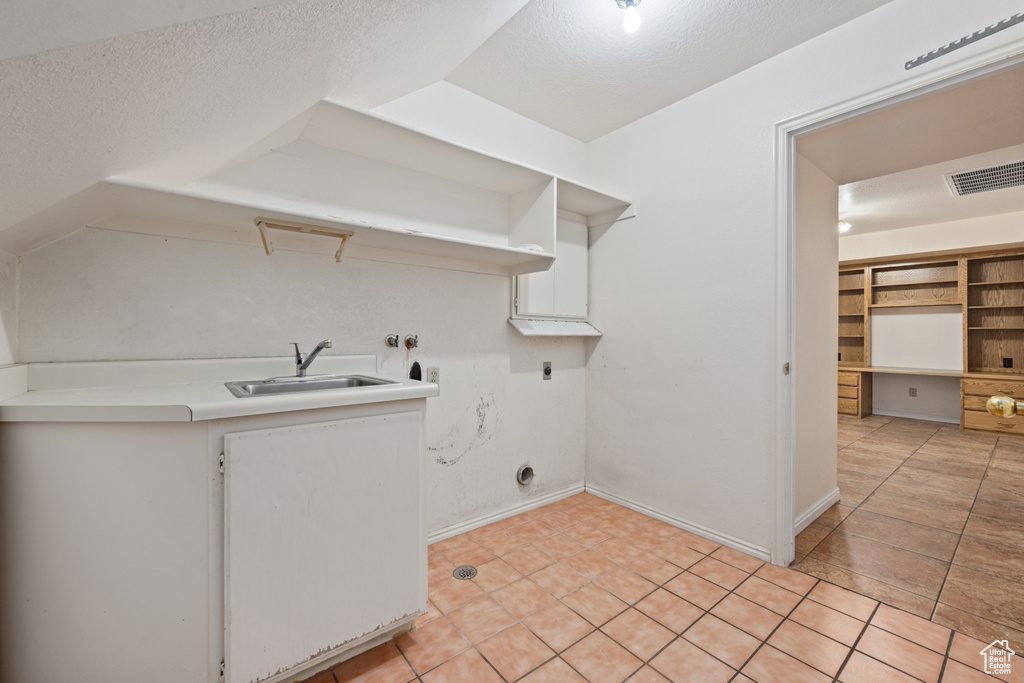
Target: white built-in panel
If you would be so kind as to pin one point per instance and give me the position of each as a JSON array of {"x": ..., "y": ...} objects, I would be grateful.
[
  {"x": 560, "y": 292},
  {"x": 926, "y": 337},
  {"x": 324, "y": 538}
]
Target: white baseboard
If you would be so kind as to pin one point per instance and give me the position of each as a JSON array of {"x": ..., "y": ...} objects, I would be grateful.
[
  {"x": 812, "y": 513},
  {"x": 759, "y": 552},
  {"x": 916, "y": 416},
  {"x": 505, "y": 513}
]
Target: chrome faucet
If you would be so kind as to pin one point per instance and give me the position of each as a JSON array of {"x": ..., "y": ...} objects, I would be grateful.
[{"x": 302, "y": 361}]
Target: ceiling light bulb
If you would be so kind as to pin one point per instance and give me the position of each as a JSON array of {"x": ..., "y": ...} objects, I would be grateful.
[
  {"x": 631, "y": 22},
  {"x": 844, "y": 227}
]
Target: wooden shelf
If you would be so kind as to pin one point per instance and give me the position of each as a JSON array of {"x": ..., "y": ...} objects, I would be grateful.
[
  {"x": 912, "y": 304},
  {"x": 995, "y": 328},
  {"x": 995, "y": 283},
  {"x": 851, "y": 336},
  {"x": 999, "y": 306},
  {"x": 925, "y": 283}
]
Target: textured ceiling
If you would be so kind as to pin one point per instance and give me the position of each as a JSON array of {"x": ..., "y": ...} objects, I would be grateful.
[
  {"x": 171, "y": 105},
  {"x": 569, "y": 65},
  {"x": 31, "y": 26},
  {"x": 921, "y": 196}
]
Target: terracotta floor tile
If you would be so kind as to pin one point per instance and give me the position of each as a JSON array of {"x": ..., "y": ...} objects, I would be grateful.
[
  {"x": 770, "y": 665},
  {"x": 844, "y": 601},
  {"x": 638, "y": 633},
  {"x": 648, "y": 675},
  {"x": 920, "y": 539},
  {"x": 641, "y": 537},
  {"x": 494, "y": 574},
  {"x": 625, "y": 585},
  {"x": 956, "y": 672},
  {"x": 828, "y": 622},
  {"x": 555, "y": 671},
  {"x": 594, "y": 604},
  {"x": 664, "y": 530},
  {"x": 775, "y": 598},
  {"x": 452, "y": 542},
  {"x": 747, "y": 616},
  {"x": 977, "y": 593},
  {"x": 590, "y": 564},
  {"x": 558, "y": 579},
  {"x": 453, "y": 593},
  {"x": 438, "y": 568},
  {"x": 585, "y": 535},
  {"x": 528, "y": 559},
  {"x": 726, "y": 576},
  {"x": 322, "y": 677},
  {"x": 502, "y": 542},
  {"x": 617, "y": 550},
  {"x": 515, "y": 651},
  {"x": 610, "y": 524},
  {"x": 863, "y": 669},
  {"x": 968, "y": 651},
  {"x": 724, "y": 641},
  {"x": 698, "y": 543},
  {"x": 694, "y": 589},
  {"x": 601, "y": 660},
  {"x": 471, "y": 554},
  {"x": 737, "y": 559},
  {"x": 901, "y": 568},
  {"x": 670, "y": 610},
  {"x": 997, "y": 559},
  {"x": 679, "y": 555},
  {"x": 868, "y": 587},
  {"x": 430, "y": 645},
  {"x": 469, "y": 667},
  {"x": 533, "y": 531},
  {"x": 382, "y": 664},
  {"x": 653, "y": 568},
  {"x": 480, "y": 619},
  {"x": 810, "y": 647},
  {"x": 487, "y": 530},
  {"x": 431, "y": 614},
  {"x": 559, "y": 546},
  {"x": 684, "y": 662},
  {"x": 915, "y": 629},
  {"x": 789, "y": 579},
  {"x": 901, "y": 654},
  {"x": 523, "y": 597},
  {"x": 558, "y": 626},
  {"x": 559, "y": 521},
  {"x": 585, "y": 512},
  {"x": 521, "y": 518}
]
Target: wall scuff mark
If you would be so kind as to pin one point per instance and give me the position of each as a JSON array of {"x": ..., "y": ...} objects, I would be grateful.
[{"x": 484, "y": 421}]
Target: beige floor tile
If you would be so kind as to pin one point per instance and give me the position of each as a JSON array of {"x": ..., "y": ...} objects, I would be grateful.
[{"x": 917, "y": 538}]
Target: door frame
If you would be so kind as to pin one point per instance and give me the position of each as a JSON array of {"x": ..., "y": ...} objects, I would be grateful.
[{"x": 785, "y": 133}]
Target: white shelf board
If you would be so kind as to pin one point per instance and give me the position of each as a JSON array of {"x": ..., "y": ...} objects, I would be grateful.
[
  {"x": 553, "y": 328},
  {"x": 132, "y": 201}
]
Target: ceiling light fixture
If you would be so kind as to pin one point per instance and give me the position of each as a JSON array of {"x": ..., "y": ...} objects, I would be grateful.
[
  {"x": 844, "y": 227},
  {"x": 631, "y": 22}
]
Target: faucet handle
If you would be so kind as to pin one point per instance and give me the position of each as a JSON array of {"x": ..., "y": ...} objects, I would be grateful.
[{"x": 299, "y": 356}]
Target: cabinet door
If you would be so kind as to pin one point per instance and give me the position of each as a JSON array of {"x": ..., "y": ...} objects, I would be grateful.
[
  {"x": 560, "y": 292},
  {"x": 324, "y": 538}
]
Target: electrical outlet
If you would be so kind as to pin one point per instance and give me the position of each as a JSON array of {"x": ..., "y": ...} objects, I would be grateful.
[
  {"x": 1007, "y": 362},
  {"x": 913, "y": 392},
  {"x": 547, "y": 369},
  {"x": 433, "y": 376}
]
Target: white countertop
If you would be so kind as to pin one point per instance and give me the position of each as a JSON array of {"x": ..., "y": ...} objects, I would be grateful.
[{"x": 178, "y": 391}]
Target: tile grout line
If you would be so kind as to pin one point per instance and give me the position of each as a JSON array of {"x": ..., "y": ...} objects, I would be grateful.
[{"x": 853, "y": 648}]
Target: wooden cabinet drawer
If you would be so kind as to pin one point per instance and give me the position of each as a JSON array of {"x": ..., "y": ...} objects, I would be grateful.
[
  {"x": 848, "y": 406},
  {"x": 993, "y": 387},
  {"x": 847, "y": 392},
  {"x": 850, "y": 379},
  {"x": 990, "y": 423}
]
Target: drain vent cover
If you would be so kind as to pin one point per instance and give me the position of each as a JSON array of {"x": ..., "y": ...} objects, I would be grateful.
[
  {"x": 464, "y": 572},
  {"x": 985, "y": 179}
]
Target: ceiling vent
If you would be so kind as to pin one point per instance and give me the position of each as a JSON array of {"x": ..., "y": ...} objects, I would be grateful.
[{"x": 985, "y": 179}]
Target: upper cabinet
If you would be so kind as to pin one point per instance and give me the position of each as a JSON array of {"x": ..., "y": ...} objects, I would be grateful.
[{"x": 403, "y": 196}]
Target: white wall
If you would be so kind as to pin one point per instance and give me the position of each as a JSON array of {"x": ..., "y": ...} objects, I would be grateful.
[
  {"x": 681, "y": 389},
  {"x": 8, "y": 308},
  {"x": 938, "y": 398},
  {"x": 1006, "y": 228},
  {"x": 816, "y": 205}
]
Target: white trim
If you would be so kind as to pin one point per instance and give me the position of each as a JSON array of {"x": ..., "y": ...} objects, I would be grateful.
[
  {"x": 782, "y": 457},
  {"x": 757, "y": 551},
  {"x": 505, "y": 513},
  {"x": 917, "y": 416},
  {"x": 815, "y": 511}
]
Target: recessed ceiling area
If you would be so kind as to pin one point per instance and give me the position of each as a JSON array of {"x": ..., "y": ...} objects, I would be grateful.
[
  {"x": 890, "y": 163},
  {"x": 571, "y": 66}
]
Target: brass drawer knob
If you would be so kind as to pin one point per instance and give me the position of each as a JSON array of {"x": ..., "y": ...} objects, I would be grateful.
[{"x": 1004, "y": 406}]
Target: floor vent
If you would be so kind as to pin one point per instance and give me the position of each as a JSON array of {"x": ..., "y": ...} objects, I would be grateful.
[{"x": 985, "y": 179}]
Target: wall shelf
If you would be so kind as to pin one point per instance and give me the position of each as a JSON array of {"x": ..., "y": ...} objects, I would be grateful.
[{"x": 402, "y": 194}]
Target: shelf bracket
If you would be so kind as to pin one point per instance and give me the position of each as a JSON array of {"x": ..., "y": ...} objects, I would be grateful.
[{"x": 264, "y": 224}]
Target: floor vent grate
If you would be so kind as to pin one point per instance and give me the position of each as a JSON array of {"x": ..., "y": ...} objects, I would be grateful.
[
  {"x": 464, "y": 572},
  {"x": 986, "y": 179}
]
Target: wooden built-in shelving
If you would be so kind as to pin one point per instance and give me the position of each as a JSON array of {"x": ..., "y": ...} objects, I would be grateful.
[{"x": 852, "y": 318}]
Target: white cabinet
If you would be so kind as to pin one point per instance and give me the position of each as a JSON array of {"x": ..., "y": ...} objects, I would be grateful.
[
  {"x": 560, "y": 292},
  {"x": 323, "y": 538}
]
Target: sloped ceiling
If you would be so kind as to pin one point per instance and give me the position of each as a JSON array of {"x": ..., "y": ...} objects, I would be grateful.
[{"x": 171, "y": 105}]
